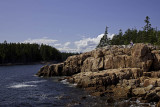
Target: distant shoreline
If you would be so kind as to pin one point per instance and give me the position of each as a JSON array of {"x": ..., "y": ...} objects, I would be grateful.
[{"x": 30, "y": 63}]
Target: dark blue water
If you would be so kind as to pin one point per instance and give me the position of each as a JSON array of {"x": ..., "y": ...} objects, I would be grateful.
[{"x": 20, "y": 88}]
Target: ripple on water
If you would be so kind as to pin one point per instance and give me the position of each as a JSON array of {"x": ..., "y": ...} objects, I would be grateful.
[
  {"x": 70, "y": 85},
  {"x": 28, "y": 82},
  {"x": 21, "y": 86},
  {"x": 25, "y": 84}
]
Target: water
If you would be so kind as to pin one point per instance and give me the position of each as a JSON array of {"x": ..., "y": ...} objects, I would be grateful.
[{"x": 19, "y": 87}]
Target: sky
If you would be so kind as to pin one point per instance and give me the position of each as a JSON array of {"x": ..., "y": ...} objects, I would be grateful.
[{"x": 72, "y": 25}]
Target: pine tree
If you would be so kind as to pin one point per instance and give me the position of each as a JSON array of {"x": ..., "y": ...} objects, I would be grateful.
[
  {"x": 147, "y": 27},
  {"x": 104, "y": 40},
  {"x": 148, "y": 32}
]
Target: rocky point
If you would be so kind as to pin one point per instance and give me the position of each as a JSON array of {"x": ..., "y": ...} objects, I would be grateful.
[{"x": 119, "y": 71}]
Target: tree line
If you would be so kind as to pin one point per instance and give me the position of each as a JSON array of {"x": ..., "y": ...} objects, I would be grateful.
[
  {"x": 27, "y": 53},
  {"x": 147, "y": 35}
]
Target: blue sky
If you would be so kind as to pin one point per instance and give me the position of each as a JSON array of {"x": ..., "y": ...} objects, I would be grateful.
[{"x": 72, "y": 25}]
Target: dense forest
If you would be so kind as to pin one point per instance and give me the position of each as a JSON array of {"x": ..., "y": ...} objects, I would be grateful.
[
  {"x": 27, "y": 53},
  {"x": 147, "y": 35}
]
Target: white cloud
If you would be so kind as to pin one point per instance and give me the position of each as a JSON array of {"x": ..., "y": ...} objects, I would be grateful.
[
  {"x": 84, "y": 45},
  {"x": 66, "y": 47},
  {"x": 43, "y": 40},
  {"x": 110, "y": 35},
  {"x": 87, "y": 44},
  {"x": 56, "y": 45},
  {"x": 67, "y": 44}
]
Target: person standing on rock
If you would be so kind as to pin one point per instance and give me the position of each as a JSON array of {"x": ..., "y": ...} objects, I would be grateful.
[{"x": 131, "y": 42}]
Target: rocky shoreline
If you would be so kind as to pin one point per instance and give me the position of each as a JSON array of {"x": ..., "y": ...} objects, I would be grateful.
[{"x": 116, "y": 71}]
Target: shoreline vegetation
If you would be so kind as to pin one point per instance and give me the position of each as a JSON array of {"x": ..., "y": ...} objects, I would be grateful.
[
  {"x": 26, "y": 53},
  {"x": 30, "y": 63},
  {"x": 149, "y": 34}
]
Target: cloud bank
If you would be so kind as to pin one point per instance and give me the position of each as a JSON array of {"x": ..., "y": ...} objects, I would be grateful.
[
  {"x": 83, "y": 45},
  {"x": 43, "y": 40},
  {"x": 87, "y": 44}
]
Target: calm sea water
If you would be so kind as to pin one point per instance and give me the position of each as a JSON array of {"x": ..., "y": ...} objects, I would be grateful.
[{"x": 19, "y": 87}]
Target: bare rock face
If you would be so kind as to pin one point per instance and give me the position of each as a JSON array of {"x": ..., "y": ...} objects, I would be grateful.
[
  {"x": 141, "y": 57},
  {"x": 139, "y": 91},
  {"x": 123, "y": 71},
  {"x": 43, "y": 71},
  {"x": 156, "y": 61},
  {"x": 113, "y": 57},
  {"x": 105, "y": 78},
  {"x": 122, "y": 92}
]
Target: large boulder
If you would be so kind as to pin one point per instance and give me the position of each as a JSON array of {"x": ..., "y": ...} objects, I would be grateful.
[
  {"x": 51, "y": 70},
  {"x": 139, "y": 92},
  {"x": 43, "y": 71},
  {"x": 152, "y": 97},
  {"x": 156, "y": 61},
  {"x": 122, "y": 92},
  {"x": 141, "y": 57}
]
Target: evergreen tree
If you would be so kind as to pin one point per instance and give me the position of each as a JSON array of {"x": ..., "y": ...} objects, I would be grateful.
[
  {"x": 104, "y": 40},
  {"x": 147, "y": 27},
  {"x": 26, "y": 53},
  {"x": 147, "y": 35}
]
